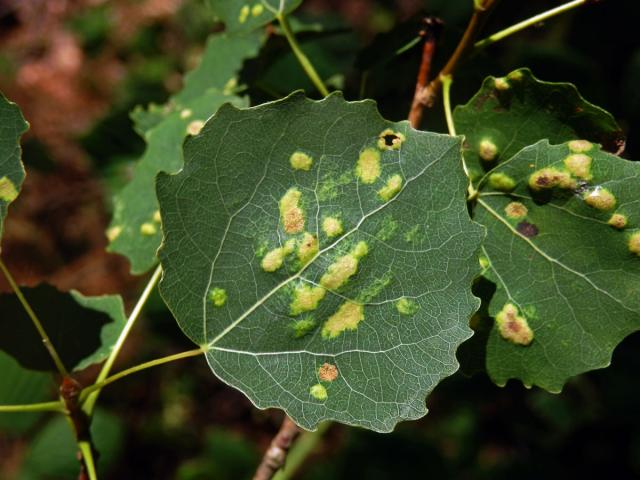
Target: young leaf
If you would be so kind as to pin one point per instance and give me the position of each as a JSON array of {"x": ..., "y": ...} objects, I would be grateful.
[
  {"x": 12, "y": 126},
  {"x": 244, "y": 16},
  {"x": 325, "y": 257},
  {"x": 83, "y": 329},
  {"x": 135, "y": 228},
  {"x": 512, "y": 112},
  {"x": 563, "y": 247}
]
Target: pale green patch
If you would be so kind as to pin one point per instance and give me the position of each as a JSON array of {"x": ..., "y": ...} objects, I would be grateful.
[
  {"x": 618, "y": 220},
  {"x": 579, "y": 165},
  {"x": 374, "y": 288},
  {"x": 257, "y": 10},
  {"x": 391, "y": 189},
  {"x": 300, "y": 161},
  {"x": 407, "y": 306},
  {"x": 414, "y": 235},
  {"x": 390, "y": 140},
  {"x": 501, "y": 181},
  {"x": 273, "y": 260},
  {"x": 244, "y": 14},
  {"x": 484, "y": 262},
  {"x": 348, "y": 316},
  {"x": 368, "y": 167},
  {"x": 512, "y": 326},
  {"x": 218, "y": 296},
  {"x": 332, "y": 226},
  {"x": 329, "y": 186},
  {"x": 148, "y": 229},
  {"x": 387, "y": 229},
  {"x": 318, "y": 392},
  {"x": 600, "y": 198},
  {"x": 8, "y": 191},
  {"x": 306, "y": 298},
  {"x": 487, "y": 150},
  {"x": 344, "y": 267},
  {"x": 307, "y": 248},
  {"x": 303, "y": 327},
  {"x": 550, "y": 177},
  {"x": 291, "y": 214}
]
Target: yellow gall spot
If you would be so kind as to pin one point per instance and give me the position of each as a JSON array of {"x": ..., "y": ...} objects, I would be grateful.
[
  {"x": 502, "y": 182},
  {"x": 501, "y": 84},
  {"x": 634, "y": 243},
  {"x": 547, "y": 178},
  {"x": 360, "y": 250},
  {"x": 156, "y": 216},
  {"x": 343, "y": 268},
  {"x": 515, "y": 76},
  {"x": 8, "y": 191},
  {"x": 230, "y": 86},
  {"x": 257, "y": 10},
  {"x": 348, "y": 316},
  {"x": 218, "y": 296},
  {"x": 307, "y": 248},
  {"x": 391, "y": 189},
  {"x": 487, "y": 150},
  {"x": 580, "y": 146},
  {"x": 244, "y": 13},
  {"x": 516, "y": 210},
  {"x": 484, "y": 262},
  {"x": 368, "y": 166},
  {"x": 194, "y": 127},
  {"x": 406, "y": 306},
  {"x": 600, "y": 199},
  {"x": 306, "y": 299},
  {"x": 618, "y": 221},
  {"x": 186, "y": 113},
  {"x": 327, "y": 372},
  {"x": 148, "y": 229},
  {"x": 114, "y": 232},
  {"x": 332, "y": 226},
  {"x": 291, "y": 214},
  {"x": 512, "y": 326},
  {"x": 390, "y": 140},
  {"x": 579, "y": 165},
  {"x": 273, "y": 260},
  {"x": 300, "y": 161},
  {"x": 318, "y": 392}
]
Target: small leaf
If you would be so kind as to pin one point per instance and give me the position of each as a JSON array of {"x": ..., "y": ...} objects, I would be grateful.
[
  {"x": 244, "y": 15},
  {"x": 135, "y": 230},
  {"x": 12, "y": 126},
  {"x": 561, "y": 250},
  {"x": 512, "y": 112},
  {"x": 355, "y": 324},
  {"x": 82, "y": 329}
]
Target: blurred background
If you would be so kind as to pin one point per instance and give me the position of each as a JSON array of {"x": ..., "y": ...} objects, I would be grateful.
[{"x": 78, "y": 67}]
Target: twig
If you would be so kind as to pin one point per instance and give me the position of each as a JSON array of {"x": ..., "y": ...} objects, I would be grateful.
[
  {"x": 429, "y": 34},
  {"x": 482, "y": 10},
  {"x": 303, "y": 447},
  {"x": 46, "y": 341},
  {"x": 275, "y": 456}
]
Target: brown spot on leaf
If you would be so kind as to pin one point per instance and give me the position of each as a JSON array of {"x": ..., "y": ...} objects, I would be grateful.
[
  {"x": 527, "y": 229},
  {"x": 328, "y": 372}
]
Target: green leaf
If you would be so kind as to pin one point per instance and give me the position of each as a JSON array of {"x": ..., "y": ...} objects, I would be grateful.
[
  {"x": 12, "y": 126},
  {"x": 82, "y": 329},
  {"x": 243, "y": 16},
  {"x": 512, "y": 112},
  {"x": 135, "y": 229},
  {"x": 563, "y": 249},
  {"x": 20, "y": 386},
  {"x": 52, "y": 455},
  {"x": 359, "y": 332}
]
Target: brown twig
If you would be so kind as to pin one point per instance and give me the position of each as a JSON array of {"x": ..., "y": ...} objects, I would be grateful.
[
  {"x": 427, "y": 95},
  {"x": 70, "y": 392},
  {"x": 275, "y": 456},
  {"x": 429, "y": 34}
]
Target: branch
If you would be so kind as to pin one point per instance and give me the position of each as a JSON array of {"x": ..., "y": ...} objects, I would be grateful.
[
  {"x": 429, "y": 34},
  {"x": 482, "y": 10},
  {"x": 275, "y": 456}
]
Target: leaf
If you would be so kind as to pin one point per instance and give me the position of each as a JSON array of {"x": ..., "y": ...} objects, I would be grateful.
[
  {"x": 135, "y": 229},
  {"x": 364, "y": 330},
  {"x": 512, "y": 112},
  {"x": 12, "y": 126},
  {"x": 52, "y": 453},
  {"x": 564, "y": 257},
  {"x": 82, "y": 329},
  {"x": 20, "y": 386},
  {"x": 244, "y": 16}
]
